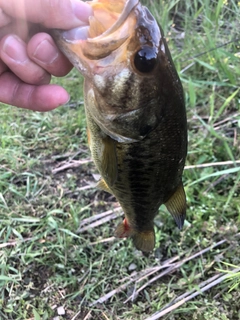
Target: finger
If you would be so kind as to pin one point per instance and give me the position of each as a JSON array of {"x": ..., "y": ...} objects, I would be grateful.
[
  {"x": 13, "y": 52},
  {"x": 18, "y": 27},
  {"x": 38, "y": 98},
  {"x": 61, "y": 14},
  {"x": 4, "y": 19},
  {"x": 42, "y": 50},
  {"x": 3, "y": 67}
]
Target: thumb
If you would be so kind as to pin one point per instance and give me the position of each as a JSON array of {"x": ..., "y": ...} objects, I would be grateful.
[{"x": 63, "y": 14}]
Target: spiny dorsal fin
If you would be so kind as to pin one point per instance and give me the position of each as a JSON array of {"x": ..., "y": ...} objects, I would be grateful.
[
  {"x": 103, "y": 186},
  {"x": 176, "y": 205},
  {"x": 109, "y": 160}
]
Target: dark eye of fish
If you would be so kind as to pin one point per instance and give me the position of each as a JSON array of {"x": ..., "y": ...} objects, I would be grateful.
[{"x": 145, "y": 59}]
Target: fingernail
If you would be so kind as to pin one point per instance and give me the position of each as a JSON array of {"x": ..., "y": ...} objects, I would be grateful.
[
  {"x": 80, "y": 33},
  {"x": 66, "y": 100},
  {"x": 4, "y": 19},
  {"x": 46, "y": 52},
  {"x": 82, "y": 10},
  {"x": 15, "y": 48}
]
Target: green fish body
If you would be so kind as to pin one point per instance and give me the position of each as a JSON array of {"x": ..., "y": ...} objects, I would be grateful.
[{"x": 136, "y": 118}]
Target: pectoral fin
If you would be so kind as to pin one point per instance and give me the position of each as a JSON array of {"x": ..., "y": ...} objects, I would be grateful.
[
  {"x": 103, "y": 186},
  {"x": 176, "y": 205},
  {"x": 109, "y": 160},
  {"x": 89, "y": 138}
]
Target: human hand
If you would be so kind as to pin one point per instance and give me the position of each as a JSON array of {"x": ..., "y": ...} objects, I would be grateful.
[{"x": 29, "y": 56}]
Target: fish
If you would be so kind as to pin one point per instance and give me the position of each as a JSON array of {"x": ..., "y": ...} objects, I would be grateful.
[{"x": 135, "y": 113}]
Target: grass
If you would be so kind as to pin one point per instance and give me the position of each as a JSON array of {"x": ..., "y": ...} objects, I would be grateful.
[{"x": 48, "y": 266}]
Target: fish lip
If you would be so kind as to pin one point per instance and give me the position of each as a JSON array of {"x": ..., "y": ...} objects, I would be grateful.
[
  {"x": 129, "y": 6},
  {"x": 81, "y": 33}
]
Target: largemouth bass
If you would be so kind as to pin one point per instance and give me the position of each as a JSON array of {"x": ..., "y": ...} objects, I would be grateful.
[{"x": 135, "y": 111}]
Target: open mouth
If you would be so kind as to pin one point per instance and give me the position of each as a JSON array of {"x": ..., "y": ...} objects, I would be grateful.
[{"x": 108, "y": 17}]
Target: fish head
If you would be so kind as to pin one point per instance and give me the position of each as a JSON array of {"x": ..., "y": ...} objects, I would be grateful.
[{"x": 128, "y": 70}]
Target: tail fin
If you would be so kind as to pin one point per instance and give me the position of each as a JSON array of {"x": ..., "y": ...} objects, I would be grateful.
[{"x": 144, "y": 240}]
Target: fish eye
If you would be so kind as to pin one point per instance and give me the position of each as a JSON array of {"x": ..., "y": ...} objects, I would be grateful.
[{"x": 145, "y": 59}]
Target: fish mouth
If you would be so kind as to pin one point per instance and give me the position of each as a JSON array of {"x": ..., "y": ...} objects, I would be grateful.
[
  {"x": 109, "y": 18},
  {"x": 109, "y": 27}
]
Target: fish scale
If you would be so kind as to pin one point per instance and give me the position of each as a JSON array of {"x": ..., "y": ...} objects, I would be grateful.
[
  {"x": 135, "y": 111},
  {"x": 145, "y": 180}
]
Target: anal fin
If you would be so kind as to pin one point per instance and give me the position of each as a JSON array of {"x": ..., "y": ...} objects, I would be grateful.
[
  {"x": 176, "y": 205},
  {"x": 123, "y": 230}
]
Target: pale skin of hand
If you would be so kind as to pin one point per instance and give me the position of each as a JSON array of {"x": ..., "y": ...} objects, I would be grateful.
[{"x": 29, "y": 56}]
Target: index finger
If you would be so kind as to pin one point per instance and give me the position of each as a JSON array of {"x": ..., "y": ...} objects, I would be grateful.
[{"x": 62, "y": 14}]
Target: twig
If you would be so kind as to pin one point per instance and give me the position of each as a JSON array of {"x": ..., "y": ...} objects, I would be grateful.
[
  {"x": 112, "y": 293},
  {"x": 98, "y": 216},
  {"x": 212, "y": 164},
  {"x": 69, "y": 155},
  {"x": 227, "y": 119},
  {"x": 133, "y": 278},
  {"x": 168, "y": 265},
  {"x": 90, "y": 186},
  {"x": 184, "y": 295},
  {"x": 13, "y": 243},
  {"x": 105, "y": 316},
  {"x": 173, "y": 268},
  {"x": 8, "y": 244},
  {"x": 102, "y": 241},
  {"x": 225, "y": 125},
  {"x": 213, "y": 283},
  {"x": 99, "y": 222},
  {"x": 77, "y": 314},
  {"x": 70, "y": 164},
  {"x": 88, "y": 315},
  {"x": 215, "y": 183}
]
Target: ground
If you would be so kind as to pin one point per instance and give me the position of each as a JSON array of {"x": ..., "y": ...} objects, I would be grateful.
[{"x": 58, "y": 256}]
